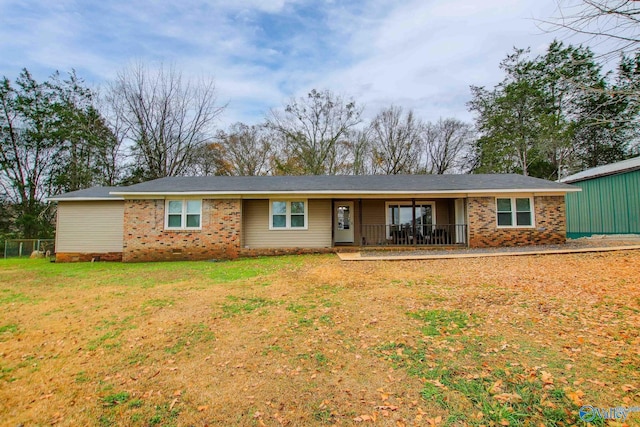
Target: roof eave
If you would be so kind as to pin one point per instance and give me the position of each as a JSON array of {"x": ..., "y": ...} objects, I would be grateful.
[
  {"x": 84, "y": 199},
  {"x": 569, "y": 180},
  {"x": 328, "y": 192}
]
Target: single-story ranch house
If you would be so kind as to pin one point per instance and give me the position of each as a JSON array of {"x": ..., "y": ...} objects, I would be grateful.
[{"x": 225, "y": 217}]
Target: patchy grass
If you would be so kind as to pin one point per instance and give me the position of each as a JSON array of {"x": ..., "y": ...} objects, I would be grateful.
[
  {"x": 310, "y": 340},
  {"x": 241, "y": 305},
  {"x": 441, "y": 322},
  {"x": 116, "y": 398},
  {"x": 10, "y": 329},
  {"x": 7, "y": 296},
  {"x": 190, "y": 335}
]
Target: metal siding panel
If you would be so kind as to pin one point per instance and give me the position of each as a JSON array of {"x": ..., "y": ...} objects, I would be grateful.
[
  {"x": 595, "y": 203},
  {"x": 606, "y": 205},
  {"x": 619, "y": 205},
  {"x": 632, "y": 182},
  {"x": 86, "y": 227},
  {"x": 572, "y": 213}
]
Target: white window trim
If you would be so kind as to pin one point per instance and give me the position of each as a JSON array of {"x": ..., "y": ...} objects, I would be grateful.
[
  {"x": 288, "y": 215},
  {"x": 514, "y": 213},
  {"x": 183, "y": 214},
  {"x": 405, "y": 203}
]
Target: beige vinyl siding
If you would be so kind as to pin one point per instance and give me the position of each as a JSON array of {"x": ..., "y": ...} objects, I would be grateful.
[
  {"x": 444, "y": 209},
  {"x": 373, "y": 222},
  {"x": 257, "y": 234},
  {"x": 87, "y": 227},
  {"x": 374, "y": 212}
]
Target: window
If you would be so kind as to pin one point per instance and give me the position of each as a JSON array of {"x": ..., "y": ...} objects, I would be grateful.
[
  {"x": 514, "y": 212},
  {"x": 400, "y": 215},
  {"x": 344, "y": 217},
  {"x": 285, "y": 215},
  {"x": 183, "y": 214}
]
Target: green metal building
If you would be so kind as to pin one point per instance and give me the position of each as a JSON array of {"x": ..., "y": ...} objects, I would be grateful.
[{"x": 609, "y": 202}]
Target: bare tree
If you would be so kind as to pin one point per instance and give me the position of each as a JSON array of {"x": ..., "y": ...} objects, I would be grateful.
[
  {"x": 447, "y": 145},
  {"x": 208, "y": 159},
  {"x": 245, "y": 149},
  {"x": 396, "y": 140},
  {"x": 618, "y": 21},
  {"x": 358, "y": 156},
  {"x": 164, "y": 116},
  {"x": 310, "y": 131}
]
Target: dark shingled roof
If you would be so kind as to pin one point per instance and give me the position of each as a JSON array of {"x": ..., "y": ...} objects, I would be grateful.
[
  {"x": 93, "y": 193},
  {"x": 355, "y": 184},
  {"x": 322, "y": 184}
]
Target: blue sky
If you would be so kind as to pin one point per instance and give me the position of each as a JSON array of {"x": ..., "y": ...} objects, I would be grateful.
[{"x": 420, "y": 54}]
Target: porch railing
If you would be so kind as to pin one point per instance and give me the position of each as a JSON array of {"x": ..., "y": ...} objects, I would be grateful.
[{"x": 420, "y": 235}]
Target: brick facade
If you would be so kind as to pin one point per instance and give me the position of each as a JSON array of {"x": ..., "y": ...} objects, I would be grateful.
[
  {"x": 85, "y": 257},
  {"x": 258, "y": 252},
  {"x": 549, "y": 227},
  {"x": 145, "y": 237}
]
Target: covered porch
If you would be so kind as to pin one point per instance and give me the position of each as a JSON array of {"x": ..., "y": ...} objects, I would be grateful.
[{"x": 400, "y": 222}]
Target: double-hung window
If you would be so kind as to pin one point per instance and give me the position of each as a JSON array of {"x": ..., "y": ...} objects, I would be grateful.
[
  {"x": 288, "y": 214},
  {"x": 183, "y": 214},
  {"x": 514, "y": 212}
]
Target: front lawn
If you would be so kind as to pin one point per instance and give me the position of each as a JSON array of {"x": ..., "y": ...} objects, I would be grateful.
[{"x": 310, "y": 340}]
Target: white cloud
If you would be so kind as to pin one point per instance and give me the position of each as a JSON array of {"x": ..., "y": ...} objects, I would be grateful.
[
  {"x": 420, "y": 54},
  {"x": 424, "y": 55}
]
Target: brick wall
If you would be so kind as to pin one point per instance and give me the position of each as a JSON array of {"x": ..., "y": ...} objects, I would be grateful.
[
  {"x": 85, "y": 257},
  {"x": 145, "y": 238},
  {"x": 258, "y": 252},
  {"x": 549, "y": 227}
]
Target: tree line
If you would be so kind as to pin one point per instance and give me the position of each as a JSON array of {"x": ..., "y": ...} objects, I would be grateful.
[
  {"x": 553, "y": 114},
  {"x": 557, "y": 113}
]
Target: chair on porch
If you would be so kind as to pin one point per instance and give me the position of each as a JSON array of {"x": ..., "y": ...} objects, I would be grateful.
[
  {"x": 440, "y": 236},
  {"x": 401, "y": 234}
]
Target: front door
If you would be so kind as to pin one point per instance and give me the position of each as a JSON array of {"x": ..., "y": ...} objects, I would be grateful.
[{"x": 343, "y": 228}]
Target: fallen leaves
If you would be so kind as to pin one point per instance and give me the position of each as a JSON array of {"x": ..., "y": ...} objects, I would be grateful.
[
  {"x": 508, "y": 397},
  {"x": 496, "y": 387},
  {"x": 561, "y": 328},
  {"x": 546, "y": 377},
  {"x": 576, "y": 397},
  {"x": 596, "y": 382},
  {"x": 365, "y": 417}
]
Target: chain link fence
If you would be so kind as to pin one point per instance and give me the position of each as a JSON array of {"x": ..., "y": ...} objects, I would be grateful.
[{"x": 15, "y": 248}]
